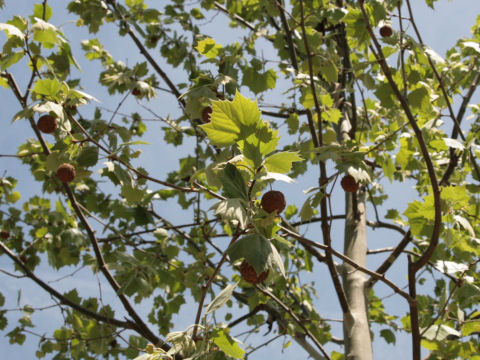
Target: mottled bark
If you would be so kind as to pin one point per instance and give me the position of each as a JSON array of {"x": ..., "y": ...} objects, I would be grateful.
[{"x": 358, "y": 344}]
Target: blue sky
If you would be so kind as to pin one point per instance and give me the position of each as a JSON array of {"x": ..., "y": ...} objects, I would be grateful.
[{"x": 440, "y": 29}]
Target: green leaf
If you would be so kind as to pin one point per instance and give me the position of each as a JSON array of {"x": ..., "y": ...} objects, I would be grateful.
[
  {"x": 54, "y": 160},
  {"x": 209, "y": 48},
  {"x": 50, "y": 106},
  {"x": 329, "y": 136},
  {"x": 132, "y": 193},
  {"x": 388, "y": 168},
  {"x": 45, "y": 33},
  {"x": 293, "y": 123},
  {"x": 233, "y": 183},
  {"x": 329, "y": 71},
  {"x": 419, "y": 98},
  {"x": 337, "y": 356},
  {"x": 255, "y": 248},
  {"x": 277, "y": 176},
  {"x": 281, "y": 162},
  {"x": 454, "y": 143},
  {"x": 465, "y": 224},
  {"x": 13, "y": 197},
  {"x": 47, "y": 87},
  {"x": 471, "y": 327},
  {"x": 221, "y": 299},
  {"x": 332, "y": 115},
  {"x": 259, "y": 82},
  {"x": 450, "y": 267},
  {"x": 275, "y": 260},
  {"x": 38, "y": 11},
  {"x": 232, "y": 120},
  {"x": 440, "y": 332},
  {"x": 181, "y": 341},
  {"x": 388, "y": 335},
  {"x": 232, "y": 210},
  {"x": 262, "y": 142},
  {"x": 227, "y": 344},
  {"x": 430, "y": 3},
  {"x": 11, "y": 59},
  {"x": 88, "y": 156},
  {"x": 307, "y": 212}
]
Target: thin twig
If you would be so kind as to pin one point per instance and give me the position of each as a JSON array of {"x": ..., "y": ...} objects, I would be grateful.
[
  {"x": 419, "y": 136},
  {"x": 146, "y": 54},
  {"x": 390, "y": 260},
  {"x": 206, "y": 286},
  {"x": 64, "y": 300},
  {"x": 318, "y": 142},
  {"x": 346, "y": 259},
  {"x": 295, "y": 318}
]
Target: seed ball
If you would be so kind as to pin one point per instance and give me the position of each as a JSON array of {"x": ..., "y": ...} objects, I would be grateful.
[
  {"x": 349, "y": 184},
  {"x": 47, "y": 124},
  {"x": 206, "y": 114},
  {"x": 250, "y": 275},
  {"x": 386, "y": 31},
  {"x": 136, "y": 92},
  {"x": 273, "y": 200},
  {"x": 4, "y": 234},
  {"x": 66, "y": 173}
]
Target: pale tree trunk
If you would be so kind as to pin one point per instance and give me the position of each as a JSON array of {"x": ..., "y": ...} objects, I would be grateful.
[{"x": 356, "y": 330}]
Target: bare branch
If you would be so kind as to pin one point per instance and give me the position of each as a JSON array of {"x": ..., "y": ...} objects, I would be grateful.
[
  {"x": 64, "y": 300},
  {"x": 147, "y": 55},
  {"x": 388, "y": 262},
  {"x": 378, "y": 53},
  {"x": 318, "y": 141},
  {"x": 296, "y": 319},
  {"x": 346, "y": 259}
]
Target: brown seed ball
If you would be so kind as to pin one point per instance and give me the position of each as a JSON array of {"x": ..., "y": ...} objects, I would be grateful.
[
  {"x": 136, "y": 92},
  {"x": 273, "y": 200},
  {"x": 206, "y": 114},
  {"x": 250, "y": 275},
  {"x": 4, "y": 234},
  {"x": 66, "y": 173},
  {"x": 349, "y": 184},
  {"x": 386, "y": 31},
  {"x": 47, "y": 124}
]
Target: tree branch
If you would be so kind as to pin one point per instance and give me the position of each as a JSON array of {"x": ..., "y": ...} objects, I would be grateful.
[
  {"x": 206, "y": 286},
  {"x": 388, "y": 262},
  {"x": 147, "y": 55},
  {"x": 418, "y": 134},
  {"x": 64, "y": 300},
  {"x": 346, "y": 259},
  {"x": 139, "y": 325},
  {"x": 296, "y": 319},
  {"x": 318, "y": 142}
]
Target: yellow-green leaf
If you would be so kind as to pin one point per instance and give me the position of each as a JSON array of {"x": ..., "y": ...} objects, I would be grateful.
[
  {"x": 281, "y": 162},
  {"x": 227, "y": 344},
  {"x": 232, "y": 120},
  {"x": 208, "y": 47}
]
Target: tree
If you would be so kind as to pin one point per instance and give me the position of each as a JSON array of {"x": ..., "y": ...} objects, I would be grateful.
[{"x": 357, "y": 99}]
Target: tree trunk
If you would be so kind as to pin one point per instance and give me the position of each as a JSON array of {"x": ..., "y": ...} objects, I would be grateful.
[{"x": 356, "y": 330}]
